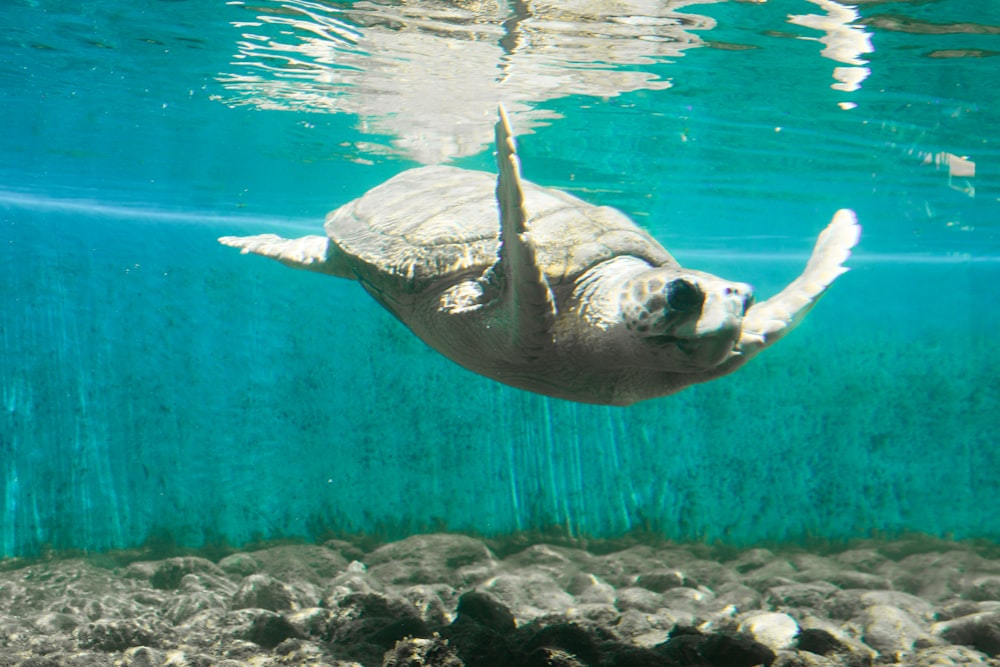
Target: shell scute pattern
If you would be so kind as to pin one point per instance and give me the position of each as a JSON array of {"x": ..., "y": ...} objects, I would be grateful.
[
  {"x": 434, "y": 223},
  {"x": 578, "y": 236},
  {"x": 424, "y": 225}
]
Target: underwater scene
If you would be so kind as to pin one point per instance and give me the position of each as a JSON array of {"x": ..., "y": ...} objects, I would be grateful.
[{"x": 507, "y": 427}]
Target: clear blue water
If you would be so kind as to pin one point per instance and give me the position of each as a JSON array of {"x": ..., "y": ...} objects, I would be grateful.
[{"x": 157, "y": 385}]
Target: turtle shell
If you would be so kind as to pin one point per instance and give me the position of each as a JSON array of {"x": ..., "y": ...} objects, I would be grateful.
[{"x": 441, "y": 223}]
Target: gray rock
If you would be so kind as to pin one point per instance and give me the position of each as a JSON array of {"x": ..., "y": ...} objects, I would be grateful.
[
  {"x": 184, "y": 607},
  {"x": 812, "y": 567},
  {"x": 741, "y": 598},
  {"x": 485, "y": 611},
  {"x": 311, "y": 621},
  {"x": 890, "y": 630},
  {"x": 264, "y": 592},
  {"x": 811, "y": 595},
  {"x": 753, "y": 559},
  {"x": 935, "y": 585},
  {"x": 981, "y": 587},
  {"x": 218, "y": 626},
  {"x": 355, "y": 579},
  {"x": 845, "y": 636},
  {"x": 529, "y": 595},
  {"x": 955, "y": 608},
  {"x": 366, "y": 625},
  {"x": 639, "y": 599},
  {"x": 141, "y": 569},
  {"x": 707, "y": 573},
  {"x": 862, "y": 560},
  {"x": 688, "y": 597},
  {"x": 147, "y": 597},
  {"x": 433, "y": 603},
  {"x": 349, "y": 551},
  {"x": 239, "y": 564},
  {"x": 593, "y": 614},
  {"x": 803, "y": 659},
  {"x": 980, "y": 631},
  {"x": 779, "y": 573},
  {"x": 168, "y": 573},
  {"x": 310, "y": 563},
  {"x": 84, "y": 659},
  {"x": 296, "y": 651},
  {"x": 561, "y": 564},
  {"x": 641, "y": 629},
  {"x": 246, "y": 652},
  {"x": 587, "y": 588},
  {"x": 203, "y": 582},
  {"x": 53, "y": 622},
  {"x": 659, "y": 581},
  {"x": 556, "y": 560},
  {"x": 456, "y": 560},
  {"x": 935, "y": 575},
  {"x": 143, "y": 656},
  {"x": 269, "y": 629},
  {"x": 916, "y": 607},
  {"x": 115, "y": 635},
  {"x": 191, "y": 658},
  {"x": 415, "y": 652},
  {"x": 848, "y": 579},
  {"x": 851, "y": 604},
  {"x": 945, "y": 656},
  {"x": 621, "y": 567}
]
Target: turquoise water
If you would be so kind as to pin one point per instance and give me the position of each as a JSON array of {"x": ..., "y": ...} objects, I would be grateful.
[{"x": 156, "y": 385}]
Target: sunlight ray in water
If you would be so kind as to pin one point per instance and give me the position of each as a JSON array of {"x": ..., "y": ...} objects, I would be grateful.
[{"x": 114, "y": 210}]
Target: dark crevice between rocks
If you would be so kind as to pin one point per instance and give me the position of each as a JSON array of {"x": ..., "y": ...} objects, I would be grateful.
[{"x": 375, "y": 632}]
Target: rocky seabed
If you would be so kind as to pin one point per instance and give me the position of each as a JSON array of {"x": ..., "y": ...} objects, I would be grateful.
[{"x": 449, "y": 600}]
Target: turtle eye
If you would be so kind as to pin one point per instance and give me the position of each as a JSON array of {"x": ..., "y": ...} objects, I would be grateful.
[{"x": 683, "y": 295}]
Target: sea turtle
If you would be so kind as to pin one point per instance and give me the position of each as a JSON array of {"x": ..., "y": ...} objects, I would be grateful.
[{"x": 535, "y": 288}]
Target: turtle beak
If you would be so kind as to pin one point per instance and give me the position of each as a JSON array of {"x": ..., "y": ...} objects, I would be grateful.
[
  {"x": 723, "y": 310},
  {"x": 710, "y": 339}
]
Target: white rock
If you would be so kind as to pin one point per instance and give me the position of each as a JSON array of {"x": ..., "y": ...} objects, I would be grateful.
[{"x": 774, "y": 630}]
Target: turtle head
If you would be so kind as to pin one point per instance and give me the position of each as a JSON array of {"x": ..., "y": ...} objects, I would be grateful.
[{"x": 690, "y": 319}]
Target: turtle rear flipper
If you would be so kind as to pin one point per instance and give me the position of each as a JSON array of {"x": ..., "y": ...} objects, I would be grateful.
[
  {"x": 528, "y": 304},
  {"x": 768, "y": 321},
  {"x": 310, "y": 253}
]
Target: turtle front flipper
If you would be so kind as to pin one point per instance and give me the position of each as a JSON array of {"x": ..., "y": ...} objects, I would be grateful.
[
  {"x": 527, "y": 302},
  {"x": 310, "y": 253},
  {"x": 768, "y": 321}
]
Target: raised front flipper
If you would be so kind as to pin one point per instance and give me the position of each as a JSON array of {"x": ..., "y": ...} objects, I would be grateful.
[
  {"x": 310, "y": 253},
  {"x": 528, "y": 304},
  {"x": 768, "y": 321}
]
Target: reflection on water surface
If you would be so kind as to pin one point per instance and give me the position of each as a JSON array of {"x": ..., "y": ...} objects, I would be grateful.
[{"x": 430, "y": 74}]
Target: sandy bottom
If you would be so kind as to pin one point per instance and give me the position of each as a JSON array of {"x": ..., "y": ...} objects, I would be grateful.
[{"x": 454, "y": 600}]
